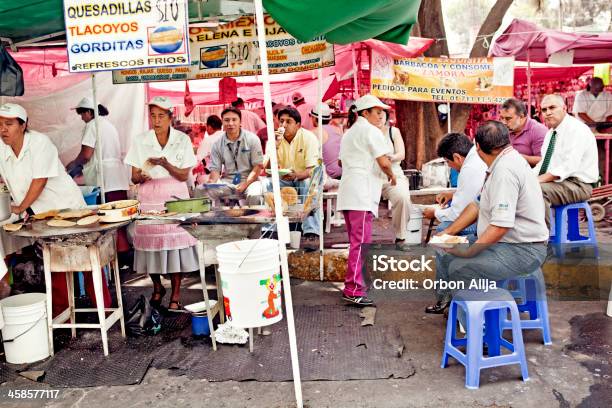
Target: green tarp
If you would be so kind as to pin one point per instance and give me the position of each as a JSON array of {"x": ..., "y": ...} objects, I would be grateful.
[
  {"x": 341, "y": 21},
  {"x": 346, "y": 21}
]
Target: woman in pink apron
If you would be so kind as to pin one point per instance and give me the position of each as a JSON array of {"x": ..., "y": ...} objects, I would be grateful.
[{"x": 161, "y": 160}]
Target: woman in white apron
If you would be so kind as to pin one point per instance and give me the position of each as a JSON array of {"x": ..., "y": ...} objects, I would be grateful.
[
  {"x": 161, "y": 160},
  {"x": 116, "y": 183},
  {"x": 365, "y": 167},
  {"x": 38, "y": 182}
]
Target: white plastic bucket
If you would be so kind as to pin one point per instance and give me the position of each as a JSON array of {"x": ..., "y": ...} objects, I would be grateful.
[
  {"x": 252, "y": 292},
  {"x": 415, "y": 227},
  {"x": 25, "y": 323}
]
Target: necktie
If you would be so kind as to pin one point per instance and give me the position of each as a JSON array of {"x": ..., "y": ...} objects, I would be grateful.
[{"x": 549, "y": 152}]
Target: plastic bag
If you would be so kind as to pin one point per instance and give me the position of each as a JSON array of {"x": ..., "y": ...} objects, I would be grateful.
[
  {"x": 11, "y": 75},
  {"x": 143, "y": 319}
]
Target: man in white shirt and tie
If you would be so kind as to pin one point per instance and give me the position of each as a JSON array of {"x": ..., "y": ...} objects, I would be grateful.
[{"x": 569, "y": 165}]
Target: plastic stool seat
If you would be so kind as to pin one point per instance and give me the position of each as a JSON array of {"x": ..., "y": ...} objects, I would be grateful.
[
  {"x": 567, "y": 224},
  {"x": 483, "y": 309},
  {"x": 531, "y": 290}
]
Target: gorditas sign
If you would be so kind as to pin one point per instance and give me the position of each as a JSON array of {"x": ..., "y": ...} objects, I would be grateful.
[
  {"x": 455, "y": 80},
  {"x": 231, "y": 50},
  {"x": 106, "y": 35}
]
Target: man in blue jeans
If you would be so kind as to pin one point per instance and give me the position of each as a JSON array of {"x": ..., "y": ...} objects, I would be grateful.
[
  {"x": 512, "y": 233},
  {"x": 460, "y": 154}
]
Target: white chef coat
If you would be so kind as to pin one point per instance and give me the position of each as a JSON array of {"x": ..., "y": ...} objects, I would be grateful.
[
  {"x": 575, "y": 152},
  {"x": 206, "y": 146},
  {"x": 178, "y": 151},
  {"x": 37, "y": 159},
  {"x": 469, "y": 184},
  {"x": 598, "y": 108},
  {"x": 115, "y": 174},
  {"x": 362, "y": 180}
]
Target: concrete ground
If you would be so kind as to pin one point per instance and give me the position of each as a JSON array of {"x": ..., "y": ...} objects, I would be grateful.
[{"x": 561, "y": 375}]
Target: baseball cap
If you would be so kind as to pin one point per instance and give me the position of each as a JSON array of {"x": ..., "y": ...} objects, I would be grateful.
[
  {"x": 161, "y": 102},
  {"x": 297, "y": 97},
  {"x": 12, "y": 110},
  {"x": 85, "y": 103},
  {"x": 326, "y": 112},
  {"x": 369, "y": 101}
]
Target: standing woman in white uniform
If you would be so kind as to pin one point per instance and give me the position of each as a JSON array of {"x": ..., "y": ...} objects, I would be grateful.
[
  {"x": 399, "y": 194},
  {"x": 365, "y": 167},
  {"x": 31, "y": 168},
  {"x": 161, "y": 160},
  {"x": 116, "y": 183}
]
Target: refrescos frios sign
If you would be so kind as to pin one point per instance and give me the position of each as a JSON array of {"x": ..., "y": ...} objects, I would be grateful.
[{"x": 109, "y": 34}]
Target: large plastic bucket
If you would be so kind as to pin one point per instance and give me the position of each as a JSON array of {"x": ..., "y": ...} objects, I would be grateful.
[
  {"x": 415, "y": 227},
  {"x": 252, "y": 292},
  {"x": 25, "y": 334}
]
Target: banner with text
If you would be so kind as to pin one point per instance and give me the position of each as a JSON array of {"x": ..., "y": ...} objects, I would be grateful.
[
  {"x": 107, "y": 35},
  {"x": 455, "y": 80},
  {"x": 232, "y": 50}
]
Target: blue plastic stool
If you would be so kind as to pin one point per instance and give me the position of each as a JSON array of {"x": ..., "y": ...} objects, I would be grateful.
[
  {"x": 484, "y": 309},
  {"x": 567, "y": 225},
  {"x": 530, "y": 295}
]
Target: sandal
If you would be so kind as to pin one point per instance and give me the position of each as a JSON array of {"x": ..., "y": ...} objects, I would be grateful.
[
  {"x": 178, "y": 306},
  {"x": 156, "y": 297}
]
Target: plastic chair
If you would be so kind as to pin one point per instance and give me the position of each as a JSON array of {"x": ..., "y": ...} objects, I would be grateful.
[
  {"x": 484, "y": 309},
  {"x": 530, "y": 295}
]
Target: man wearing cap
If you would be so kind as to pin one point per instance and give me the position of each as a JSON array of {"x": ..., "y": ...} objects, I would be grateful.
[
  {"x": 569, "y": 165},
  {"x": 304, "y": 108},
  {"x": 31, "y": 168},
  {"x": 297, "y": 149},
  {"x": 249, "y": 120},
  {"x": 236, "y": 158},
  {"x": 331, "y": 139},
  {"x": 116, "y": 181}
]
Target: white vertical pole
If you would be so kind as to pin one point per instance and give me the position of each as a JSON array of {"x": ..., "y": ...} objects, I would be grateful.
[
  {"x": 355, "y": 72},
  {"x": 320, "y": 128},
  {"x": 281, "y": 222},
  {"x": 448, "y": 117},
  {"x": 98, "y": 150}
]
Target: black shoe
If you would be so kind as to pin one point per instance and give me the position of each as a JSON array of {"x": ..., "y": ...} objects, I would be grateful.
[
  {"x": 438, "y": 308},
  {"x": 360, "y": 301},
  {"x": 399, "y": 241}
]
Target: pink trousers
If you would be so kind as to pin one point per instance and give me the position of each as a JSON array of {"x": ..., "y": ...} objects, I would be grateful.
[{"x": 359, "y": 228}]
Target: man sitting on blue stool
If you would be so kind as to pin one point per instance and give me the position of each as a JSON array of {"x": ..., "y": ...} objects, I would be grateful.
[
  {"x": 512, "y": 234},
  {"x": 569, "y": 166}
]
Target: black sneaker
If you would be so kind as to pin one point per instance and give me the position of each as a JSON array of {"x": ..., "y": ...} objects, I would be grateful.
[{"x": 360, "y": 301}]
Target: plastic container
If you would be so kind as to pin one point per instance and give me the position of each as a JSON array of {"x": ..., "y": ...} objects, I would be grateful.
[
  {"x": 25, "y": 323},
  {"x": 415, "y": 227},
  {"x": 199, "y": 324},
  {"x": 252, "y": 292},
  {"x": 90, "y": 194}
]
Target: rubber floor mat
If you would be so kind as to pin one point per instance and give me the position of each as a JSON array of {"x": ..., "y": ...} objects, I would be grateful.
[{"x": 332, "y": 345}]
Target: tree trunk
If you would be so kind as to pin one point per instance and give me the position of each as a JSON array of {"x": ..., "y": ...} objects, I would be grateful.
[{"x": 418, "y": 121}]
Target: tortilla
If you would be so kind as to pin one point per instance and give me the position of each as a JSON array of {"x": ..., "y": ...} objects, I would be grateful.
[
  {"x": 12, "y": 227},
  {"x": 74, "y": 214},
  {"x": 46, "y": 214},
  {"x": 289, "y": 195},
  {"x": 116, "y": 205},
  {"x": 92, "y": 219},
  {"x": 61, "y": 223}
]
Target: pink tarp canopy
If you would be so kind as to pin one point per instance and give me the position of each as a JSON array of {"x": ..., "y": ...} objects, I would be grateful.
[
  {"x": 522, "y": 38},
  {"x": 549, "y": 73}
]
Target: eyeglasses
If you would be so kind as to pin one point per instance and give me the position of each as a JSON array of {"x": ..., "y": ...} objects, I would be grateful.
[{"x": 549, "y": 108}]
